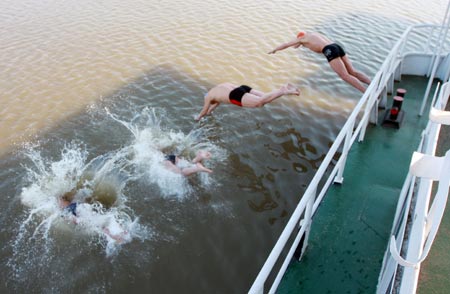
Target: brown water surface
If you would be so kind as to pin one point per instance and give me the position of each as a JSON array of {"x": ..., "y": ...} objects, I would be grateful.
[{"x": 71, "y": 71}]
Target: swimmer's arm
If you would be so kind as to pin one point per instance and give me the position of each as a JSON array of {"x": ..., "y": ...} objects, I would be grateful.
[
  {"x": 211, "y": 109},
  {"x": 204, "y": 110},
  {"x": 297, "y": 42}
]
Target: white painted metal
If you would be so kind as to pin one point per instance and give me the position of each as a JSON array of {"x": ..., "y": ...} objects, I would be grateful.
[
  {"x": 440, "y": 116},
  {"x": 425, "y": 221},
  {"x": 347, "y": 144},
  {"x": 346, "y": 136},
  {"x": 434, "y": 168},
  {"x": 390, "y": 264}
]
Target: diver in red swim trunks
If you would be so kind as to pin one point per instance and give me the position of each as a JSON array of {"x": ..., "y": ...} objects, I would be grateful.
[
  {"x": 243, "y": 96},
  {"x": 334, "y": 53}
]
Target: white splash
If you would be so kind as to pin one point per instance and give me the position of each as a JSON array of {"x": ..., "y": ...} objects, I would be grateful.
[
  {"x": 102, "y": 214},
  {"x": 152, "y": 141},
  {"x": 96, "y": 187}
]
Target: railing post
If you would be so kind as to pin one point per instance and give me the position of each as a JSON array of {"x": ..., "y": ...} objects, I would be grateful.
[
  {"x": 373, "y": 112},
  {"x": 383, "y": 98},
  {"x": 307, "y": 221},
  {"x": 390, "y": 84},
  {"x": 372, "y": 109},
  {"x": 398, "y": 71},
  {"x": 348, "y": 139}
]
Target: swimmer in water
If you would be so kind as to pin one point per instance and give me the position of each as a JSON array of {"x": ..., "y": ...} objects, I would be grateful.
[
  {"x": 335, "y": 54},
  {"x": 181, "y": 166},
  {"x": 243, "y": 96},
  {"x": 69, "y": 206}
]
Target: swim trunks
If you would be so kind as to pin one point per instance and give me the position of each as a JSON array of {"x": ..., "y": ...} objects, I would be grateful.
[
  {"x": 333, "y": 51},
  {"x": 171, "y": 158},
  {"x": 237, "y": 93},
  {"x": 72, "y": 208}
]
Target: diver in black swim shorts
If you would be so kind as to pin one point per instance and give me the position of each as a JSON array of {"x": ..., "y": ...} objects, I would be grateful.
[
  {"x": 172, "y": 158},
  {"x": 236, "y": 94},
  {"x": 334, "y": 53},
  {"x": 72, "y": 208},
  {"x": 181, "y": 166},
  {"x": 243, "y": 95}
]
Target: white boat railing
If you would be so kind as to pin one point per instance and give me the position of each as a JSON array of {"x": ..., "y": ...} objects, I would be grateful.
[
  {"x": 399, "y": 274},
  {"x": 365, "y": 111}
]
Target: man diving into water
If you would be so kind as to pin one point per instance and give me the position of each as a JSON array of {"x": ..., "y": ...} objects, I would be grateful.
[
  {"x": 181, "y": 166},
  {"x": 334, "y": 53},
  {"x": 70, "y": 210},
  {"x": 243, "y": 96}
]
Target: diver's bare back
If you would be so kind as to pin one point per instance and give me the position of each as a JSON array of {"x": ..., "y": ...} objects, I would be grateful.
[
  {"x": 221, "y": 93},
  {"x": 315, "y": 42}
]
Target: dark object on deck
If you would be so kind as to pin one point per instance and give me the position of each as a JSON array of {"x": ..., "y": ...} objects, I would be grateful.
[
  {"x": 401, "y": 92},
  {"x": 397, "y": 103},
  {"x": 393, "y": 117}
]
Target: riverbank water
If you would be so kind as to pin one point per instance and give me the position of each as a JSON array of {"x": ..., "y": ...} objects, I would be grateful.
[{"x": 92, "y": 95}]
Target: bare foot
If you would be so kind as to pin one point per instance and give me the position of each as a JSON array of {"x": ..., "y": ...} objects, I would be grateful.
[
  {"x": 290, "y": 89},
  {"x": 120, "y": 238},
  {"x": 202, "y": 168}
]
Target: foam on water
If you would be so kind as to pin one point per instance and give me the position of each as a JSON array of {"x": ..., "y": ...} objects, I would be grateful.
[
  {"x": 152, "y": 141},
  {"x": 57, "y": 57},
  {"x": 95, "y": 185}
]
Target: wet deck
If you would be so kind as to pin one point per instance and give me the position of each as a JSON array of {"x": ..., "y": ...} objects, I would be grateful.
[{"x": 351, "y": 228}]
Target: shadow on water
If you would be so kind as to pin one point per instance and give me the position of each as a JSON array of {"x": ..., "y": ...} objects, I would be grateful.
[
  {"x": 207, "y": 242},
  {"x": 198, "y": 221}
]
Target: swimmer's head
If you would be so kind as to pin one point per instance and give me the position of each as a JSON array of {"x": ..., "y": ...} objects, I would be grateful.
[
  {"x": 301, "y": 34},
  {"x": 69, "y": 196}
]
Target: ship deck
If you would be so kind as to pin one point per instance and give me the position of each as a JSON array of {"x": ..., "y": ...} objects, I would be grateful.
[
  {"x": 435, "y": 270},
  {"x": 350, "y": 230}
]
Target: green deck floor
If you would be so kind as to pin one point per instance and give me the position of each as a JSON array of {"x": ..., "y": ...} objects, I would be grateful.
[{"x": 351, "y": 228}]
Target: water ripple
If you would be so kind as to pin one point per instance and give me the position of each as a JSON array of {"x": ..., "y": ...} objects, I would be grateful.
[{"x": 64, "y": 61}]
